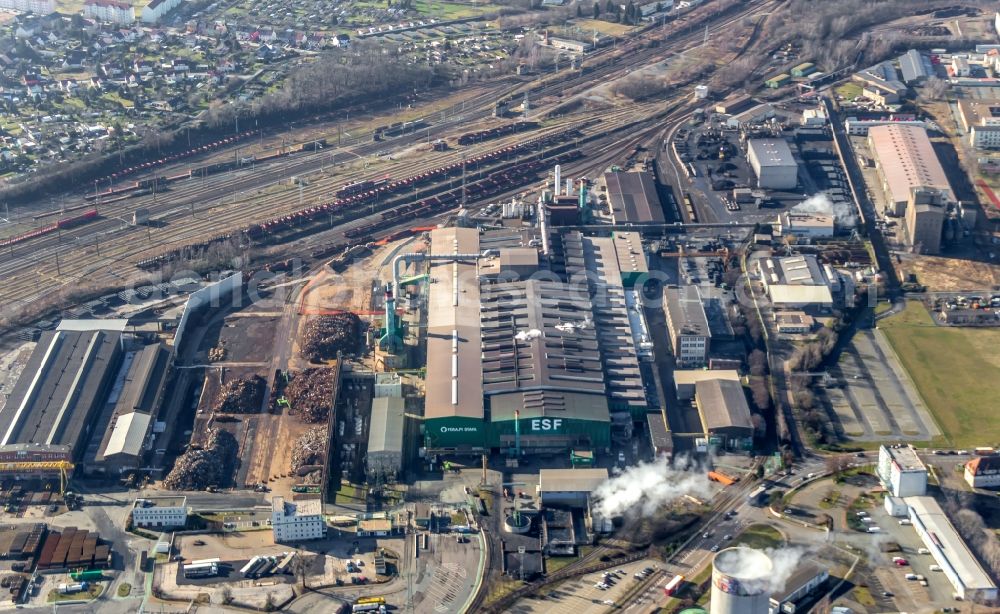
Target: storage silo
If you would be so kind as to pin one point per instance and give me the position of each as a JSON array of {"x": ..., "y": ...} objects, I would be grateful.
[{"x": 740, "y": 581}]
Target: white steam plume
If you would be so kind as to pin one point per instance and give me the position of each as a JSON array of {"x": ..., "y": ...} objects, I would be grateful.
[
  {"x": 641, "y": 490},
  {"x": 843, "y": 214},
  {"x": 741, "y": 563}
]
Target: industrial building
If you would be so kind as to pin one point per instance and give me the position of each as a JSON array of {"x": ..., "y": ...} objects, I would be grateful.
[
  {"x": 983, "y": 472},
  {"x": 687, "y": 326},
  {"x": 542, "y": 374},
  {"x": 901, "y": 471},
  {"x": 796, "y": 283},
  {"x": 905, "y": 160},
  {"x": 135, "y": 400},
  {"x": 160, "y": 512},
  {"x": 805, "y": 225},
  {"x": 62, "y": 388},
  {"x": 294, "y": 521},
  {"x": 773, "y": 164},
  {"x": 535, "y": 365},
  {"x": 740, "y": 581},
  {"x": 915, "y": 67},
  {"x": 881, "y": 83},
  {"x": 725, "y": 414},
  {"x": 685, "y": 380},
  {"x": 959, "y": 564},
  {"x": 385, "y": 437},
  {"x": 91, "y": 387},
  {"x": 926, "y": 212},
  {"x": 633, "y": 198},
  {"x": 808, "y": 577},
  {"x": 388, "y": 384},
  {"x": 569, "y": 487}
]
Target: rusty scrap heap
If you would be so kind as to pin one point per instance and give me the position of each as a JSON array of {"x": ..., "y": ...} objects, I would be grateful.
[
  {"x": 240, "y": 396},
  {"x": 327, "y": 335},
  {"x": 310, "y": 394},
  {"x": 309, "y": 449},
  {"x": 199, "y": 468}
]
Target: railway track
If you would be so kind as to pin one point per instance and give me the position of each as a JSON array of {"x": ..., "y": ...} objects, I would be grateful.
[{"x": 79, "y": 262}]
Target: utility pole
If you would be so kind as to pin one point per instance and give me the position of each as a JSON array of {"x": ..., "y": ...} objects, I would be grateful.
[{"x": 463, "y": 181}]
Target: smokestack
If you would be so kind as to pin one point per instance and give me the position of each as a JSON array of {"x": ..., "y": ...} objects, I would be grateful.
[
  {"x": 558, "y": 180},
  {"x": 569, "y": 187},
  {"x": 741, "y": 580}
]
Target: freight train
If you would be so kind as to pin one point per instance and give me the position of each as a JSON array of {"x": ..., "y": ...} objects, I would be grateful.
[
  {"x": 383, "y": 191},
  {"x": 145, "y": 166},
  {"x": 69, "y": 222},
  {"x": 493, "y": 133}
]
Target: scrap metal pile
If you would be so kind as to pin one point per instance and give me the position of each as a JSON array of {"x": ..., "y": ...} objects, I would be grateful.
[
  {"x": 310, "y": 451},
  {"x": 310, "y": 394},
  {"x": 199, "y": 468},
  {"x": 240, "y": 396},
  {"x": 327, "y": 335}
]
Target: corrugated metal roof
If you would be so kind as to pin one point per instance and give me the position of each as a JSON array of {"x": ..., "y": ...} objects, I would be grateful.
[
  {"x": 685, "y": 311},
  {"x": 633, "y": 198},
  {"x": 385, "y": 433},
  {"x": 952, "y": 546},
  {"x": 772, "y": 152},
  {"x": 128, "y": 434},
  {"x": 907, "y": 160},
  {"x": 571, "y": 480},
  {"x": 722, "y": 405}
]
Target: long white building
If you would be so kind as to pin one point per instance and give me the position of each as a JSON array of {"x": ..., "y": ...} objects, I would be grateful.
[
  {"x": 156, "y": 10},
  {"x": 949, "y": 550}
]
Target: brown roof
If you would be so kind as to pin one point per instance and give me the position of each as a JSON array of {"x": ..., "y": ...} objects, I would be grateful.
[{"x": 907, "y": 160}]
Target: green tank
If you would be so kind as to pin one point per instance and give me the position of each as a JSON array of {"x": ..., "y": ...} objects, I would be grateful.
[{"x": 91, "y": 575}]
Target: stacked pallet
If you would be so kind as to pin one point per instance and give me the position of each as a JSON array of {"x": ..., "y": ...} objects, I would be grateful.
[{"x": 73, "y": 549}]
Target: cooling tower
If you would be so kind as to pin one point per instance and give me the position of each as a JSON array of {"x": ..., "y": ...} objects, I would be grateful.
[{"x": 740, "y": 581}]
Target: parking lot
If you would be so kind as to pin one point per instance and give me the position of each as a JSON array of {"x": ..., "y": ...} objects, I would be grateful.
[
  {"x": 872, "y": 397},
  {"x": 582, "y": 595}
]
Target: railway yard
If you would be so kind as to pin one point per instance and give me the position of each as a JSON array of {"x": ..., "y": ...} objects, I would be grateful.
[{"x": 554, "y": 340}]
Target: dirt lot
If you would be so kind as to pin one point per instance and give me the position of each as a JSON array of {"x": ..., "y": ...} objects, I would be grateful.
[
  {"x": 247, "y": 336},
  {"x": 949, "y": 274}
]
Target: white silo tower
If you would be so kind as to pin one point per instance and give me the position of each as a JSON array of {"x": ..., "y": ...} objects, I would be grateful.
[{"x": 740, "y": 581}]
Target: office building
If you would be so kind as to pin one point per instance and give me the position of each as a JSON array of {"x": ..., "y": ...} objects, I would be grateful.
[
  {"x": 901, "y": 471},
  {"x": 160, "y": 512},
  {"x": 296, "y": 521},
  {"x": 687, "y": 326}
]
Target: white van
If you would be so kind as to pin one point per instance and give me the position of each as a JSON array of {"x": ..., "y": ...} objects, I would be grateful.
[
  {"x": 905, "y": 522},
  {"x": 923, "y": 551},
  {"x": 935, "y": 568}
]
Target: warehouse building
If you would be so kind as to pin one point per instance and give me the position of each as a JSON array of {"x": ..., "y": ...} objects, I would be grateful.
[
  {"x": 805, "y": 225},
  {"x": 687, "y": 325},
  {"x": 542, "y": 373},
  {"x": 62, "y": 388},
  {"x": 685, "y": 380},
  {"x": 385, "y": 437},
  {"x": 569, "y": 487},
  {"x": 796, "y": 283},
  {"x": 924, "y": 219},
  {"x": 959, "y": 564},
  {"x": 296, "y": 521},
  {"x": 453, "y": 409},
  {"x": 983, "y": 472},
  {"x": 773, "y": 164},
  {"x": 602, "y": 261},
  {"x": 905, "y": 160},
  {"x": 135, "y": 400},
  {"x": 806, "y": 578},
  {"x": 901, "y": 471},
  {"x": 633, "y": 199},
  {"x": 536, "y": 366},
  {"x": 160, "y": 512},
  {"x": 724, "y": 412}
]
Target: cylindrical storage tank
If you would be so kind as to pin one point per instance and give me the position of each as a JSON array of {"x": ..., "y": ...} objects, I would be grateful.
[{"x": 740, "y": 581}]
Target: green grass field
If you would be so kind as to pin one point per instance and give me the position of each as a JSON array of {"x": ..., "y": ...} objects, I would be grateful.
[
  {"x": 849, "y": 90},
  {"x": 759, "y": 536},
  {"x": 955, "y": 371}
]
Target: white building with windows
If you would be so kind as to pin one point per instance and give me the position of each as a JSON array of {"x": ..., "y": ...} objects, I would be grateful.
[
  {"x": 983, "y": 472},
  {"x": 985, "y": 137},
  {"x": 160, "y": 512},
  {"x": 109, "y": 11},
  {"x": 902, "y": 472},
  {"x": 293, "y": 521},
  {"x": 39, "y": 7},
  {"x": 156, "y": 10}
]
